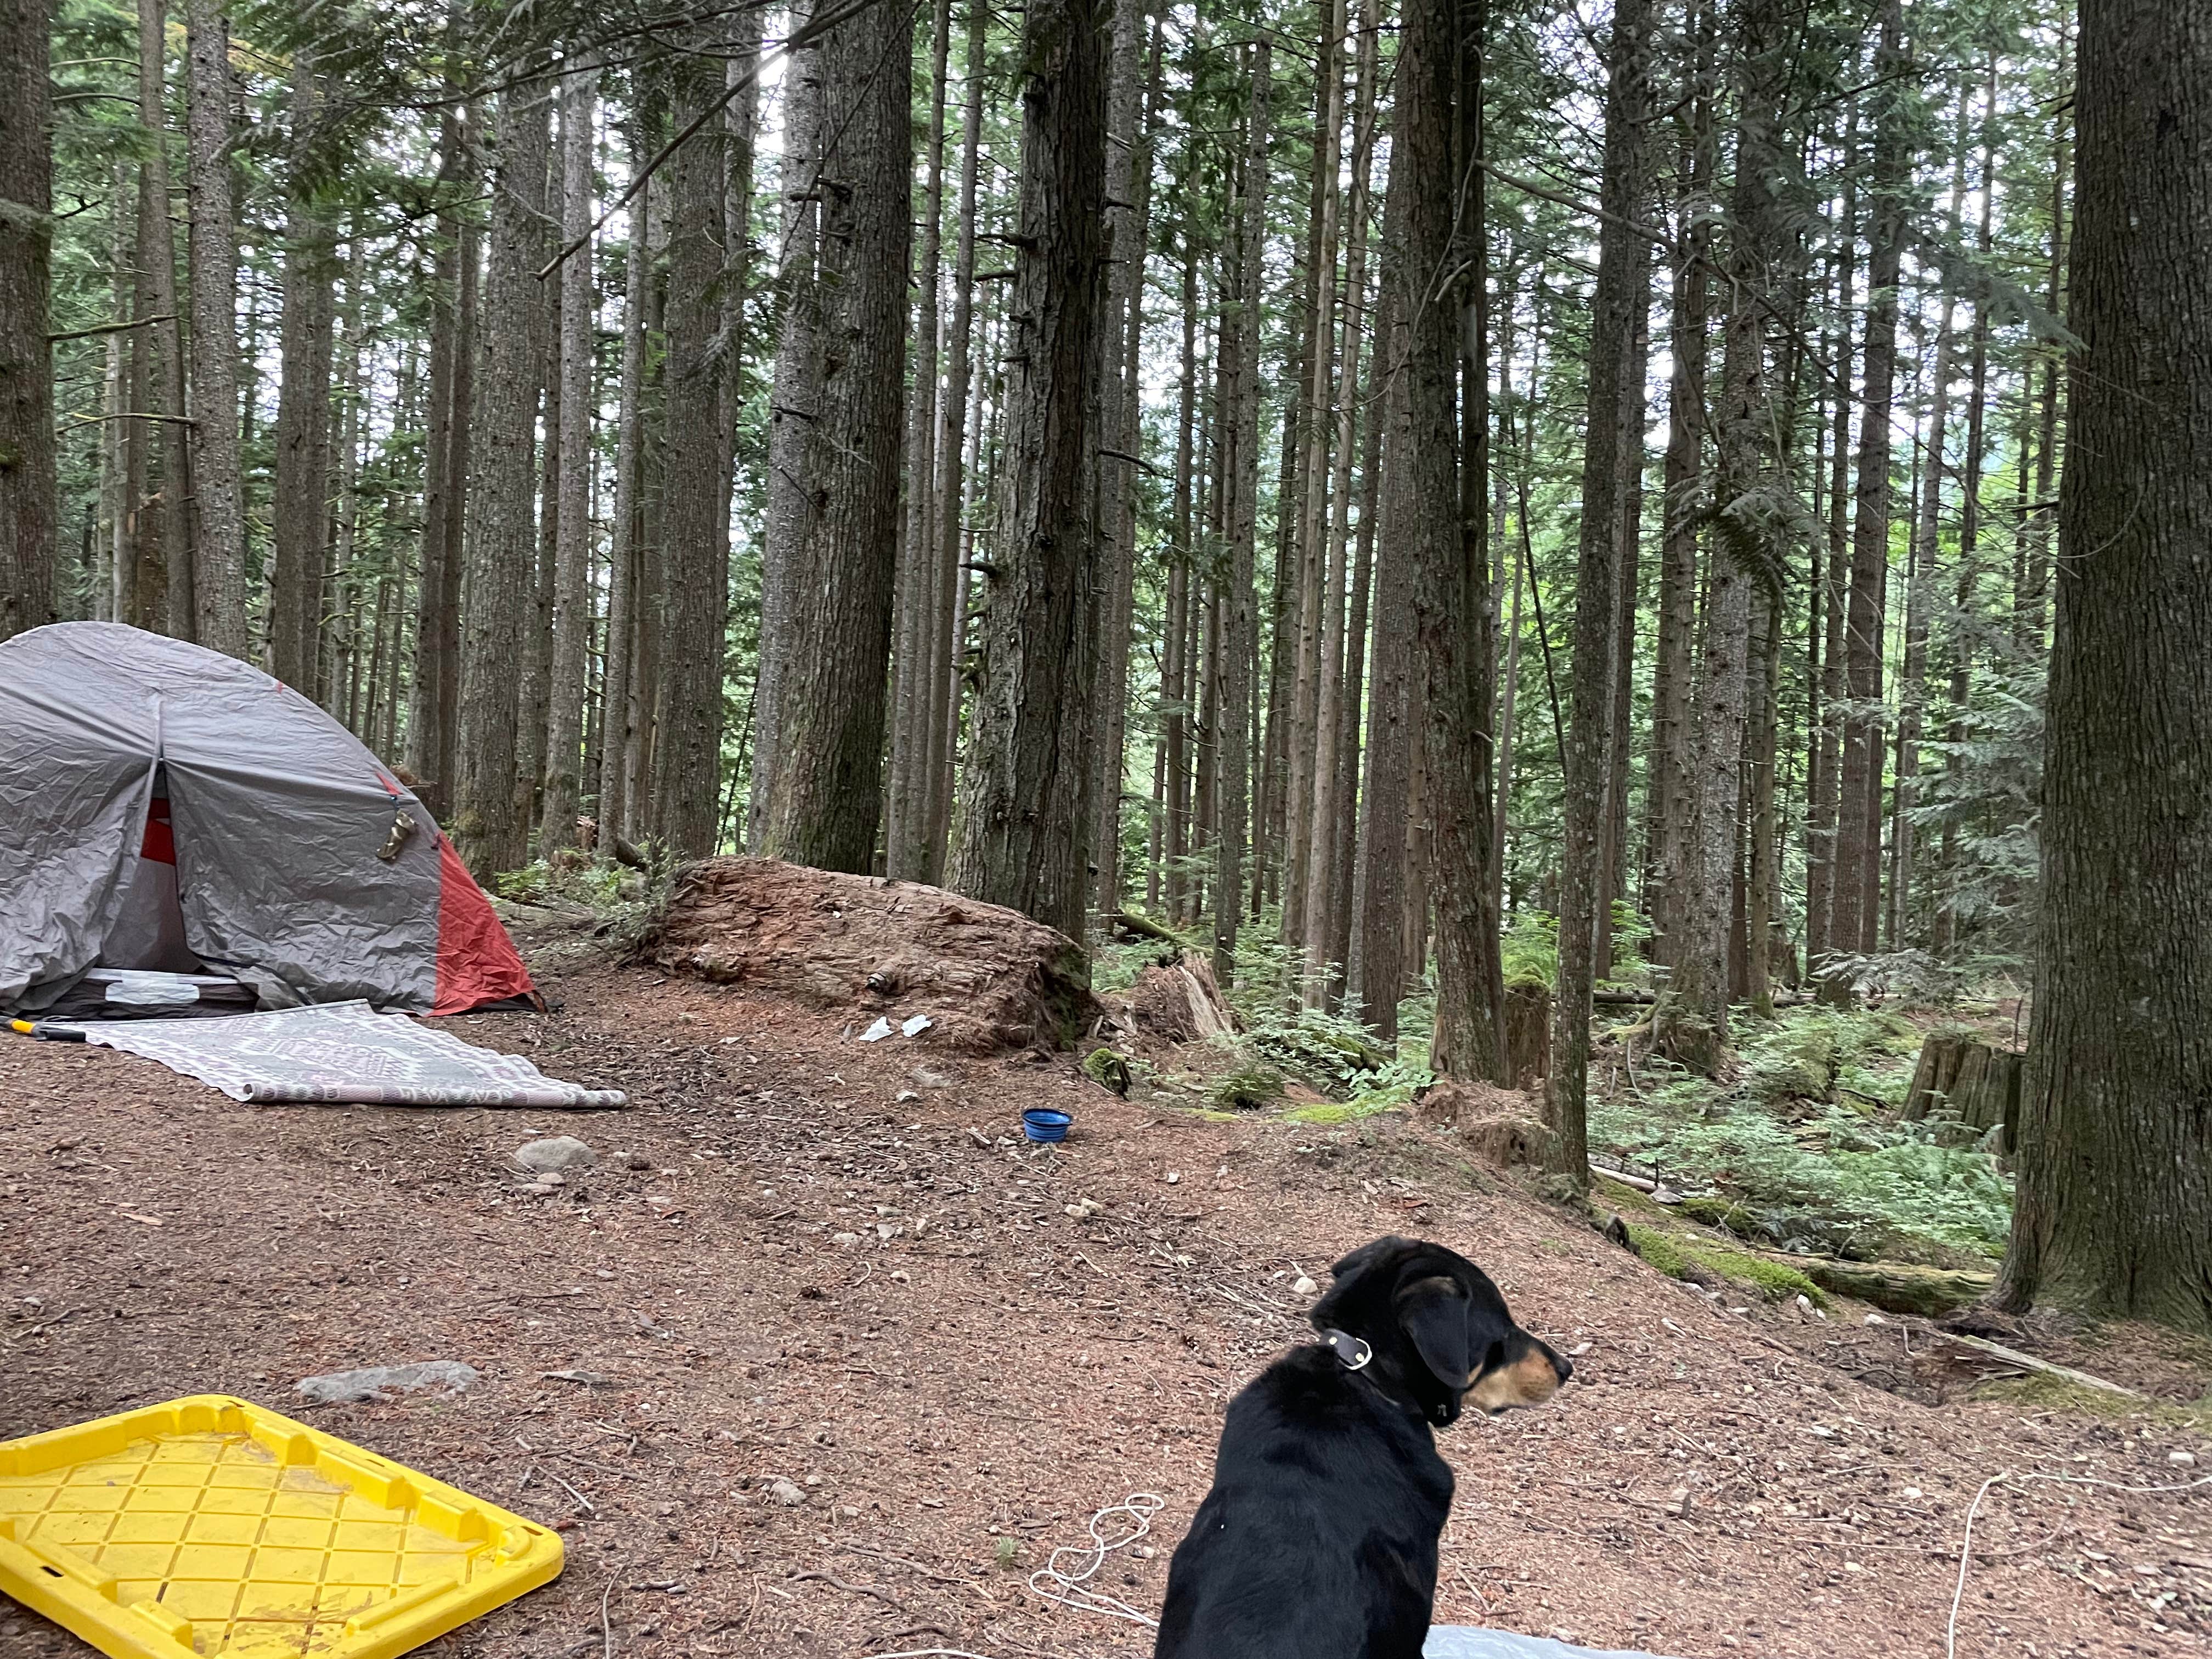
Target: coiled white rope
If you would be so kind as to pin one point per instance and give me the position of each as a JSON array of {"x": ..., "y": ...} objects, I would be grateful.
[
  {"x": 1072, "y": 1592},
  {"x": 1966, "y": 1547},
  {"x": 1070, "y": 1584}
]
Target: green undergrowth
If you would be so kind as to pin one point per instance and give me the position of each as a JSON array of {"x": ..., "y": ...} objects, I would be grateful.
[
  {"x": 1801, "y": 1149},
  {"x": 2039, "y": 1391}
]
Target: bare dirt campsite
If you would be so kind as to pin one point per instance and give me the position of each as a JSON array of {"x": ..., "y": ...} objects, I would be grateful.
[{"x": 820, "y": 1358}]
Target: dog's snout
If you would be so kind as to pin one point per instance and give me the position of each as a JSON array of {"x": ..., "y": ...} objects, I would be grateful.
[{"x": 1563, "y": 1367}]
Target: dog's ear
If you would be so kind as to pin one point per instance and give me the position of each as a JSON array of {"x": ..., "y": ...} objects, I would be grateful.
[{"x": 1433, "y": 1312}]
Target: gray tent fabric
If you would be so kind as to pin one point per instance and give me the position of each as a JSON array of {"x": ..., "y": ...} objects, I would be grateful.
[{"x": 303, "y": 866}]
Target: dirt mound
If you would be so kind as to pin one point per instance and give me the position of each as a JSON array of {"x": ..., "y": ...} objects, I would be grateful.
[{"x": 986, "y": 976}]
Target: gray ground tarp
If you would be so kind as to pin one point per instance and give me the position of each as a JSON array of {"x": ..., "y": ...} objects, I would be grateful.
[
  {"x": 1473, "y": 1642},
  {"x": 278, "y": 814}
]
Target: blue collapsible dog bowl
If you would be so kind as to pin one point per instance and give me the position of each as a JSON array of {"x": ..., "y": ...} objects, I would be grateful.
[{"x": 1042, "y": 1124}]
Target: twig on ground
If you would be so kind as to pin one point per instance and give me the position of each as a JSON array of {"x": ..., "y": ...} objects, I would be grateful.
[{"x": 831, "y": 1578}]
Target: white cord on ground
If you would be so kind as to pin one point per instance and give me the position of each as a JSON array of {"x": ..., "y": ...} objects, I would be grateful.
[
  {"x": 1966, "y": 1547},
  {"x": 1140, "y": 1507}
]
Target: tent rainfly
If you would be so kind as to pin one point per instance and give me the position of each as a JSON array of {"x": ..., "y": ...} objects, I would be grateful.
[{"x": 166, "y": 809}]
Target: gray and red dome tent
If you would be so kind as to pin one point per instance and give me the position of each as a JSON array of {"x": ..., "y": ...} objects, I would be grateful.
[{"x": 164, "y": 808}]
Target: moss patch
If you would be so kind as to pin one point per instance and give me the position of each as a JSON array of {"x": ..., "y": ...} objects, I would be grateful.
[
  {"x": 1674, "y": 1256},
  {"x": 1248, "y": 1089},
  {"x": 1341, "y": 1111}
]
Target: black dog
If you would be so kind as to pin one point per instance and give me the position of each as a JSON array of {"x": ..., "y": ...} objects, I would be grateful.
[{"x": 1319, "y": 1539}]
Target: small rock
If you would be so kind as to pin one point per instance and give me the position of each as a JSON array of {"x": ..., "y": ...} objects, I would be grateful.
[
  {"x": 930, "y": 1079},
  {"x": 786, "y": 1494},
  {"x": 1173, "y": 1178},
  {"x": 446, "y": 1377},
  {"x": 1678, "y": 1501},
  {"x": 1665, "y": 1196},
  {"x": 1876, "y": 1319},
  {"x": 813, "y": 1479},
  {"x": 637, "y": 1161},
  {"x": 2182, "y": 1460},
  {"x": 900, "y": 1276},
  {"x": 905, "y": 1095},
  {"x": 555, "y": 1153},
  {"x": 1303, "y": 1287},
  {"x": 845, "y": 1240}
]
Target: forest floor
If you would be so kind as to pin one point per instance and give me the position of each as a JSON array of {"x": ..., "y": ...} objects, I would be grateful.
[{"x": 809, "y": 1260}]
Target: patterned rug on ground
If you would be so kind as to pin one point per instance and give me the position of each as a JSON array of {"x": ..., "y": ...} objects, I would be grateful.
[{"x": 340, "y": 1052}]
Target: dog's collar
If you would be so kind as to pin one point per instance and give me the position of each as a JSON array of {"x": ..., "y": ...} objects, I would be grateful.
[{"x": 1351, "y": 1351}]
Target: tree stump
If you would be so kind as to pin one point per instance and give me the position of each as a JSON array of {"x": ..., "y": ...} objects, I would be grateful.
[
  {"x": 1528, "y": 1034},
  {"x": 987, "y": 977},
  {"x": 1971, "y": 1081}
]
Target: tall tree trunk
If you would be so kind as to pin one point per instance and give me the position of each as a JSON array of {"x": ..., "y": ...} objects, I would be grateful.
[
  {"x": 2114, "y": 1216},
  {"x": 1328, "y": 909},
  {"x": 1128, "y": 183},
  {"x": 1238, "y": 643},
  {"x": 300, "y": 520},
  {"x": 433, "y": 720},
  {"x": 907, "y": 802},
  {"x": 1751, "y": 523},
  {"x": 159, "y": 525},
  {"x": 1618, "y": 737},
  {"x": 792, "y": 401},
  {"x": 1176, "y": 699},
  {"x": 1920, "y": 560},
  {"x": 1598, "y": 587},
  {"x": 572, "y": 556},
  {"x": 1385, "y": 803},
  {"x": 687, "y": 745},
  {"x": 949, "y": 493},
  {"x": 28, "y": 527},
  {"x": 1673, "y": 768},
  {"x": 1025, "y": 811},
  {"x": 219, "y": 542},
  {"x": 501, "y": 533},
  {"x": 1833, "y": 595},
  {"x": 625, "y": 589},
  {"x": 1439, "y": 127},
  {"x": 824, "y": 806},
  {"x": 1852, "y": 905}
]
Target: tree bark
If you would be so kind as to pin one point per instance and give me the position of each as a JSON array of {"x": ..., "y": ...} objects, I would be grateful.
[
  {"x": 824, "y": 804},
  {"x": 1440, "y": 70},
  {"x": 219, "y": 543},
  {"x": 159, "y": 523},
  {"x": 1852, "y": 906},
  {"x": 433, "y": 721},
  {"x": 28, "y": 527},
  {"x": 906, "y": 800},
  {"x": 300, "y": 520},
  {"x": 1753, "y": 522},
  {"x": 1598, "y": 595},
  {"x": 572, "y": 556},
  {"x": 1672, "y": 765},
  {"x": 501, "y": 534},
  {"x": 1240, "y": 479},
  {"x": 2114, "y": 1209},
  {"x": 1386, "y": 798},
  {"x": 687, "y": 748},
  {"x": 1024, "y": 792},
  {"x": 625, "y": 588}
]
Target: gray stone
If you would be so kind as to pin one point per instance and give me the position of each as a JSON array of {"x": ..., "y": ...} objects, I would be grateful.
[
  {"x": 445, "y": 1377},
  {"x": 555, "y": 1153},
  {"x": 787, "y": 1494}
]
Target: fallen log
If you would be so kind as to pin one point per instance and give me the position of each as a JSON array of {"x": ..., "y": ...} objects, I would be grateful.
[
  {"x": 2028, "y": 1361},
  {"x": 986, "y": 977},
  {"x": 1893, "y": 1286}
]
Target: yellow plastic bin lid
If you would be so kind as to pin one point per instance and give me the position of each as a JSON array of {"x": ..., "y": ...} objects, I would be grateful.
[{"x": 210, "y": 1526}]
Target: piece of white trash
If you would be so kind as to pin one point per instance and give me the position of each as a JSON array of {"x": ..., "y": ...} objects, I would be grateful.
[
  {"x": 917, "y": 1025},
  {"x": 877, "y": 1032}
]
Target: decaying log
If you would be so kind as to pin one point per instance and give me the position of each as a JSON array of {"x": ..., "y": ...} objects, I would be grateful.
[
  {"x": 986, "y": 976},
  {"x": 1893, "y": 1286}
]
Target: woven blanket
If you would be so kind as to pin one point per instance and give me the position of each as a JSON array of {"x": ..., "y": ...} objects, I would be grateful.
[{"x": 339, "y": 1051}]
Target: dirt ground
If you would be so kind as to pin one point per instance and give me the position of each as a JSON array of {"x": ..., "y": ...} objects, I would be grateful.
[{"x": 806, "y": 1260}]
